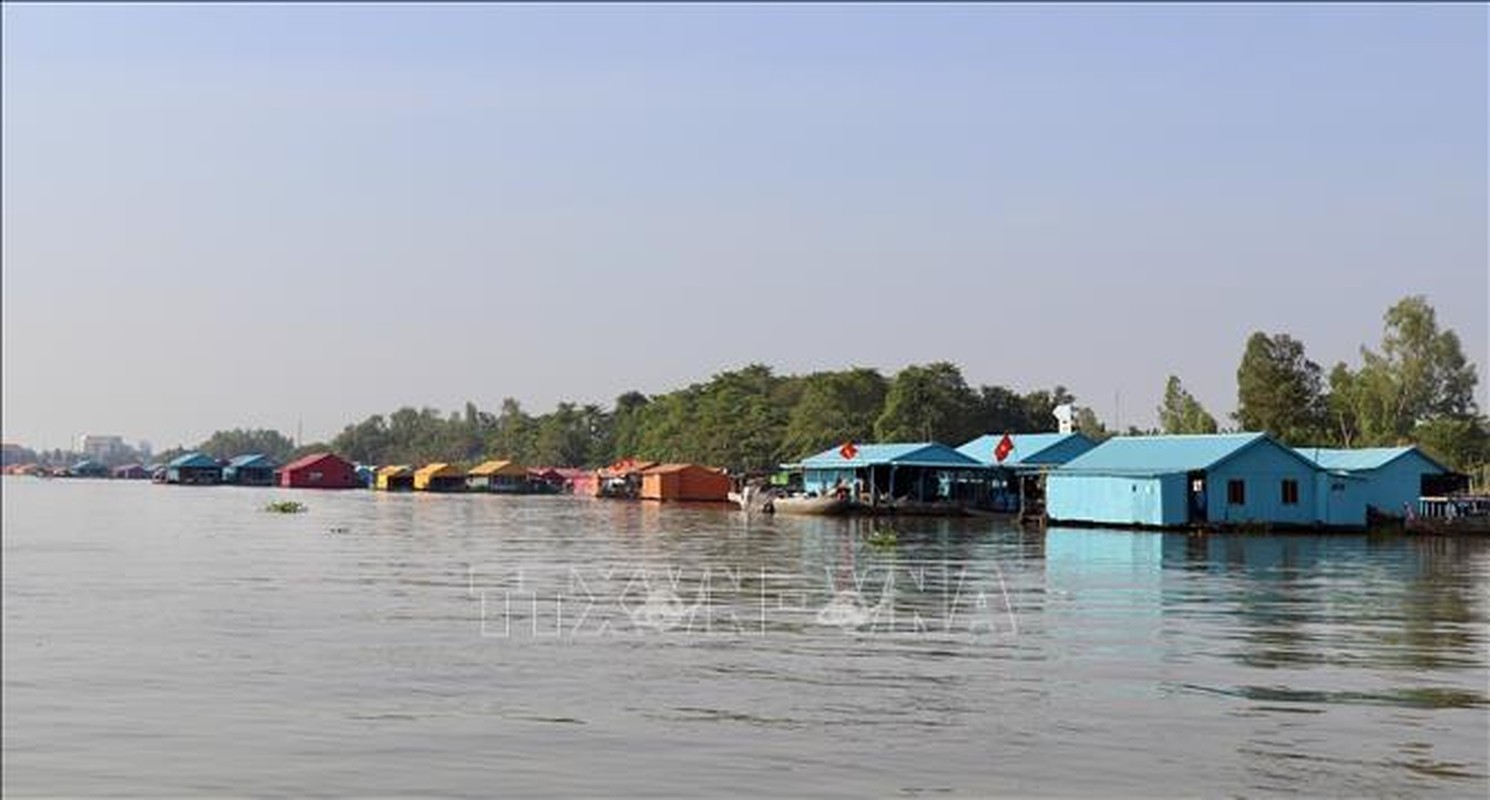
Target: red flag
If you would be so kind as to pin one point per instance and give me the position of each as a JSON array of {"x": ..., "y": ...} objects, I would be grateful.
[
  {"x": 1004, "y": 448},
  {"x": 848, "y": 451}
]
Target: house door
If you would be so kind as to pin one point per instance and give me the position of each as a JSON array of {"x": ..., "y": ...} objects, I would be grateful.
[{"x": 1197, "y": 497}]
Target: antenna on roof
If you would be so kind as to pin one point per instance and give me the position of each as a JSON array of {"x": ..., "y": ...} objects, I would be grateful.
[{"x": 1063, "y": 415}]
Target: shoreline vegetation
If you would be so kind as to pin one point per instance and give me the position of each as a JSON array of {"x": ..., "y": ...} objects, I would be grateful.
[{"x": 1417, "y": 387}]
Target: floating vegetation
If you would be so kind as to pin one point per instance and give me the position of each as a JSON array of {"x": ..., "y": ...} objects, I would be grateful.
[
  {"x": 883, "y": 537},
  {"x": 285, "y": 507}
]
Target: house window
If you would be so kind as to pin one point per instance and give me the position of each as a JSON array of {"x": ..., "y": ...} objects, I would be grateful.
[
  {"x": 1290, "y": 492},
  {"x": 1236, "y": 492},
  {"x": 315, "y": 477}
]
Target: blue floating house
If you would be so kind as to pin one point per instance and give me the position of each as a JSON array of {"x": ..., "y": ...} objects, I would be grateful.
[
  {"x": 1391, "y": 479},
  {"x": 194, "y": 469},
  {"x": 88, "y": 469},
  {"x": 875, "y": 474},
  {"x": 1215, "y": 480},
  {"x": 1031, "y": 451},
  {"x": 1016, "y": 483},
  {"x": 250, "y": 470}
]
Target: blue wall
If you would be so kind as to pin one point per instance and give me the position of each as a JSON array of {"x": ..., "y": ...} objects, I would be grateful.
[
  {"x": 1262, "y": 469},
  {"x": 1398, "y": 482},
  {"x": 1116, "y": 500},
  {"x": 1340, "y": 501}
]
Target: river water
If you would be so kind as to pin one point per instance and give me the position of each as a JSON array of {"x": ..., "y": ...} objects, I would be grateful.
[{"x": 183, "y": 641}]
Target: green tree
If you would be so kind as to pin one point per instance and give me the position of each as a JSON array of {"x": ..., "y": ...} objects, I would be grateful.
[
  {"x": 243, "y": 441},
  {"x": 834, "y": 407},
  {"x": 929, "y": 402},
  {"x": 1181, "y": 412},
  {"x": 1279, "y": 390}
]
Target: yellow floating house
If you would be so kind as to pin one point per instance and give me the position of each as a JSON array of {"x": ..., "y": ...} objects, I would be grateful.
[
  {"x": 439, "y": 477},
  {"x": 503, "y": 476},
  {"x": 395, "y": 477}
]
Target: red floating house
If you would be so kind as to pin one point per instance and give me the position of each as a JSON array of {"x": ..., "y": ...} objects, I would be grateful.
[{"x": 320, "y": 471}]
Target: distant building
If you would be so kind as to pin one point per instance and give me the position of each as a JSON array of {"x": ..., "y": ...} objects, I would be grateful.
[
  {"x": 132, "y": 472},
  {"x": 101, "y": 448},
  {"x": 14, "y": 454}
]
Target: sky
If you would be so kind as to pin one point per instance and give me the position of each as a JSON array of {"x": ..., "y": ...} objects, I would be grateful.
[{"x": 295, "y": 216}]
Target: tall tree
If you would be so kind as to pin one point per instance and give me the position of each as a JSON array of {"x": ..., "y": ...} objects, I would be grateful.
[
  {"x": 1181, "y": 412},
  {"x": 241, "y": 441},
  {"x": 928, "y": 403},
  {"x": 834, "y": 407},
  {"x": 1420, "y": 374},
  {"x": 1279, "y": 390}
]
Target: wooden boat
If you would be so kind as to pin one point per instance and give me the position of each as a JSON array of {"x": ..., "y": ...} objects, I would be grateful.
[
  {"x": 1451, "y": 515},
  {"x": 800, "y": 504}
]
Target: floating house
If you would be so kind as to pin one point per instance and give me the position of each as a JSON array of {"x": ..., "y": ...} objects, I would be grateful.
[
  {"x": 1028, "y": 451},
  {"x": 503, "y": 476},
  {"x": 250, "y": 470},
  {"x": 319, "y": 471},
  {"x": 395, "y": 478},
  {"x": 131, "y": 472},
  {"x": 684, "y": 482},
  {"x": 623, "y": 478},
  {"x": 1203, "y": 481},
  {"x": 88, "y": 469},
  {"x": 439, "y": 477},
  {"x": 1016, "y": 476},
  {"x": 893, "y": 474},
  {"x": 195, "y": 469},
  {"x": 546, "y": 480},
  {"x": 579, "y": 481},
  {"x": 1394, "y": 477}
]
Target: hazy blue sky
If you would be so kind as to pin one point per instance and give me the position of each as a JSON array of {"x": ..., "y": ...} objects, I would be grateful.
[{"x": 226, "y": 216}]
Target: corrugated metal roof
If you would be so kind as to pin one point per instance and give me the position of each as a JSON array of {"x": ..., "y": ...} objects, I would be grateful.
[
  {"x": 395, "y": 470},
  {"x": 1163, "y": 455},
  {"x": 193, "y": 460},
  {"x": 910, "y": 454},
  {"x": 1361, "y": 459},
  {"x": 662, "y": 469},
  {"x": 438, "y": 469},
  {"x": 1027, "y": 446},
  {"x": 252, "y": 460},
  {"x": 305, "y": 461},
  {"x": 504, "y": 466}
]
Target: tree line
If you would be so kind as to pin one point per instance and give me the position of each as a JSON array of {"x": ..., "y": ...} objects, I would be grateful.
[
  {"x": 747, "y": 419},
  {"x": 1415, "y": 387}
]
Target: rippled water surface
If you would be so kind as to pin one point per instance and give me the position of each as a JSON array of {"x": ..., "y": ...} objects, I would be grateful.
[{"x": 182, "y": 641}]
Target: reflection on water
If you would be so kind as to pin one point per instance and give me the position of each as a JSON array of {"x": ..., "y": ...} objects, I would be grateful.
[{"x": 161, "y": 640}]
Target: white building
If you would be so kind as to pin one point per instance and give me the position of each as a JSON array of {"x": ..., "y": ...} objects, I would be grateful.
[{"x": 100, "y": 448}]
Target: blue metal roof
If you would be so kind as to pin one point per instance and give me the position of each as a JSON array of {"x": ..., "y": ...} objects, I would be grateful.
[
  {"x": 1361, "y": 459},
  {"x": 1163, "y": 455},
  {"x": 1027, "y": 447},
  {"x": 913, "y": 454},
  {"x": 252, "y": 460},
  {"x": 193, "y": 460}
]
